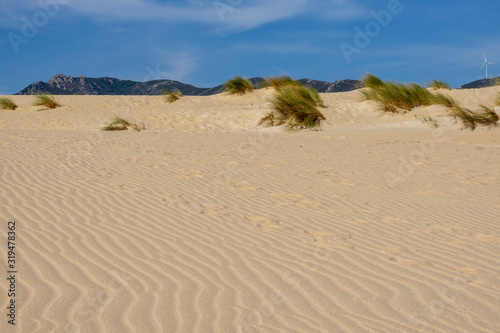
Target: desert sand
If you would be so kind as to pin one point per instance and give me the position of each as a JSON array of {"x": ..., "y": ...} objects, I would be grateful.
[{"x": 205, "y": 222}]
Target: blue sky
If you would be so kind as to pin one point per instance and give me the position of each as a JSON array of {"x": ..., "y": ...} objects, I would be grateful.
[{"x": 205, "y": 42}]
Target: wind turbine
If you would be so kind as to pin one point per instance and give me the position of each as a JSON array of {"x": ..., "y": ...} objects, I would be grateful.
[{"x": 486, "y": 62}]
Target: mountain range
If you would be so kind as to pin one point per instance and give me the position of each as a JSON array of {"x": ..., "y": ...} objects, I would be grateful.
[{"x": 61, "y": 84}]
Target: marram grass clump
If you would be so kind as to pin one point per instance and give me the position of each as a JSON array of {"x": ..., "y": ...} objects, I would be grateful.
[
  {"x": 282, "y": 81},
  {"x": 120, "y": 124},
  {"x": 172, "y": 96},
  {"x": 46, "y": 100},
  {"x": 445, "y": 100},
  {"x": 395, "y": 96},
  {"x": 294, "y": 107},
  {"x": 7, "y": 103},
  {"x": 486, "y": 116},
  {"x": 238, "y": 86},
  {"x": 437, "y": 84},
  {"x": 497, "y": 101}
]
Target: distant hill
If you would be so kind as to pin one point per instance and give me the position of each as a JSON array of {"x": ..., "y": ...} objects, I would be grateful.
[
  {"x": 480, "y": 83},
  {"x": 61, "y": 84}
]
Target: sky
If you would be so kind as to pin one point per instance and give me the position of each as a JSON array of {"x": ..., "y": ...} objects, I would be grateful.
[{"x": 206, "y": 42}]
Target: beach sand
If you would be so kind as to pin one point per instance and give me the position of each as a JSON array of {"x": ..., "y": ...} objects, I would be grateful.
[{"x": 205, "y": 222}]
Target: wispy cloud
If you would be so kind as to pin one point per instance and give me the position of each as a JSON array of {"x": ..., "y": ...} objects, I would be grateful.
[{"x": 226, "y": 15}]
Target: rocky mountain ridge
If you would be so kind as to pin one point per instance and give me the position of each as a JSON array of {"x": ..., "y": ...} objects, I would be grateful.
[{"x": 61, "y": 84}]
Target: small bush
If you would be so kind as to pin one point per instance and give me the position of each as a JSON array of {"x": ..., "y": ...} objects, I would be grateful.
[
  {"x": 437, "y": 84},
  {"x": 120, "y": 124},
  {"x": 46, "y": 100},
  {"x": 7, "y": 103},
  {"x": 497, "y": 101},
  {"x": 238, "y": 85},
  {"x": 172, "y": 96},
  {"x": 282, "y": 81},
  {"x": 295, "y": 107}
]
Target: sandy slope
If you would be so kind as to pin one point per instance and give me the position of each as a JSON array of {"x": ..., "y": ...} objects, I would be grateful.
[{"x": 205, "y": 223}]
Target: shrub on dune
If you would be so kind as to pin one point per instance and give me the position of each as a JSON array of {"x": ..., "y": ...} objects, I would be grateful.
[
  {"x": 295, "y": 107},
  {"x": 395, "y": 96},
  {"x": 371, "y": 81},
  {"x": 120, "y": 124},
  {"x": 471, "y": 119},
  {"x": 172, "y": 96},
  {"x": 282, "y": 81},
  {"x": 46, "y": 100},
  {"x": 238, "y": 86},
  {"x": 7, "y": 103},
  {"x": 437, "y": 84}
]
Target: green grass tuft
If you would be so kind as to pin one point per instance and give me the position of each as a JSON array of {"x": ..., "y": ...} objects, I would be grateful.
[
  {"x": 371, "y": 81},
  {"x": 470, "y": 119},
  {"x": 437, "y": 84},
  {"x": 282, "y": 81},
  {"x": 172, "y": 96},
  {"x": 46, "y": 100},
  {"x": 7, "y": 103},
  {"x": 238, "y": 85},
  {"x": 445, "y": 100},
  {"x": 120, "y": 124},
  {"x": 497, "y": 101},
  {"x": 395, "y": 96},
  {"x": 295, "y": 107}
]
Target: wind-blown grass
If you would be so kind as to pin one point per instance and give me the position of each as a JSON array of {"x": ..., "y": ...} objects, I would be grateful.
[
  {"x": 371, "y": 81},
  {"x": 497, "y": 101},
  {"x": 395, "y": 96},
  {"x": 46, "y": 100},
  {"x": 445, "y": 100},
  {"x": 295, "y": 107},
  {"x": 7, "y": 103},
  {"x": 172, "y": 96},
  {"x": 238, "y": 85},
  {"x": 282, "y": 81},
  {"x": 437, "y": 84},
  {"x": 120, "y": 124},
  {"x": 471, "y": 119}
]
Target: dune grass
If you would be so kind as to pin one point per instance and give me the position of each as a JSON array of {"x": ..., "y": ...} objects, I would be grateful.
[
  {"x": 238, "y": 86},
  {"x": 497, "y": 101},
  {"x": 486, "y": 116},
  {"x": 7, "y": 103},
  {"x": 46, "y": 100},
  {"x": 437, "y": 84},
  {"x": 120, "y": 124},
  {"x": 395, "y": 96},
  {"x": 280, "y": 82},
  {"x": 445, "y": 100},
  {"x": 295, "y": 107},
  {"x": 172, "y": 96}
]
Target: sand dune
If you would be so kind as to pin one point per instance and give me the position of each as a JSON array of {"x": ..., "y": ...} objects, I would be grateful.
[{"x": 206, "y": 223}]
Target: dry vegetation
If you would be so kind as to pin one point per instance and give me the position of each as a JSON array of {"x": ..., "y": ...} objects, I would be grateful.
[
  {"x": 120, "y": 124},
  {"x": 172, "y": 96},
  {"x": 7, "y": 103},
  {"x": 46, "y": 100},
  {"x": 402, "y": 97}
]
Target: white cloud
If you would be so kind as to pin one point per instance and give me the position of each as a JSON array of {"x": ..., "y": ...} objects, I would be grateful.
[{"x": 224, "y": 14}]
